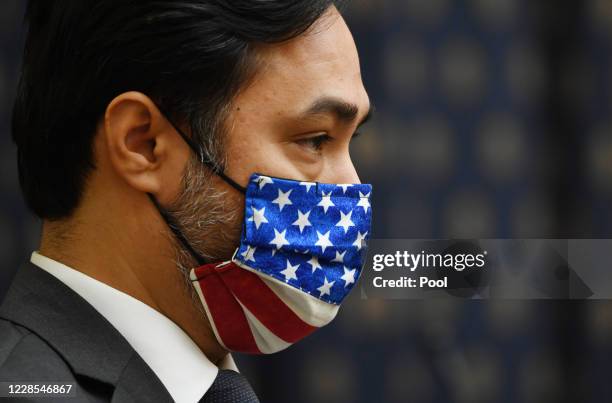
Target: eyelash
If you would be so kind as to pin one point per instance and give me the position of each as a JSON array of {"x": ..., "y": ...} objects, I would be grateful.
[{"x": 317, "y": 142}]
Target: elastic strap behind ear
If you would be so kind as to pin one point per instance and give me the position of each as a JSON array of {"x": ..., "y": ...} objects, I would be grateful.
[{"x": 174, "y": 227}]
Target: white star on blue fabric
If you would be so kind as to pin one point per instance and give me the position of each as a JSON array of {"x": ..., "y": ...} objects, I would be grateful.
[
  {"x": 344, "y": 186},
  {"x": 339, "y": 257},
  {"x": 364, "y": 201},
  {"x": 279, "y": 239},
  {"x": 360, "y": 238},
  {"x": 348, "y": 276},
  {"x": 248, "y": 254},
  {"x": 308, "y": 185},
  {"x": 323, "y": 241},
  {"x": 326, "y": 201},
  {"x": 314, "y": 262},
  {"x": 325, "y": 289},
  {"x": 302, "y": 221},
  {"x": 263, "y": 181},
  {"x": 345, "y": 221},
  {"x": 283, "y": 199},
  {"x": 258, "y": 217},
  {"x": 289, "y": 271}
]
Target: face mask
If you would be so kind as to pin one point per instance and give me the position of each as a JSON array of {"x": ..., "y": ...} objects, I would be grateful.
[{"x": 301, "y": 251}]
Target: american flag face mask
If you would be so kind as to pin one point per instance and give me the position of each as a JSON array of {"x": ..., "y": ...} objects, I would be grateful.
[{"x": 301, "y": 252}]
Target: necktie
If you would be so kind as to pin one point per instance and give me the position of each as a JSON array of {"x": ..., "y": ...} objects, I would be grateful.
[{"x": 230, "y": 387}]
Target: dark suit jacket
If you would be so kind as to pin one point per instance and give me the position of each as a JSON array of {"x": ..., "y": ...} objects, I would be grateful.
[{"x": 49, "y": 333}]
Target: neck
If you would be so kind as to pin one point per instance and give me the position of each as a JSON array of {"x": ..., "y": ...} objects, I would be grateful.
[{"x": 133, "y": 254}]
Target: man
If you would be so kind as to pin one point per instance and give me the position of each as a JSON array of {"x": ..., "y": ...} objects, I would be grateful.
[{"x": 133, "y": 123}]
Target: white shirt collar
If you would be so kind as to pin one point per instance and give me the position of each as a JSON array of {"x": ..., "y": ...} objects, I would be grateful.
[{"x": 176, "y": 360}]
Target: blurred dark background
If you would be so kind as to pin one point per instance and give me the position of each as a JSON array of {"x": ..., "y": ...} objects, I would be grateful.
[{"x": 494, "y": 121}]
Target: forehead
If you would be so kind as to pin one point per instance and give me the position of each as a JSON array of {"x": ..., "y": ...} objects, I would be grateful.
[{"x": 322, "y": 61}]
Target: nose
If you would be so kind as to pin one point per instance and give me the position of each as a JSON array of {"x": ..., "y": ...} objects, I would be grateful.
[{"x": 342, "y": 170}]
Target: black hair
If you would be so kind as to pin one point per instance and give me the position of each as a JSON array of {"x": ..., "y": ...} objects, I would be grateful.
[{"x": 190, "y": 56}]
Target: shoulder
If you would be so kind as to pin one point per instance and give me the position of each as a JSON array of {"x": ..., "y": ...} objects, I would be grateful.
[{"x": 25, "y": 356}]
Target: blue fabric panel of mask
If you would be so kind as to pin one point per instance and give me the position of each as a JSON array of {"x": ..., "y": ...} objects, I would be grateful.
[{"x": 306, "y": 234}]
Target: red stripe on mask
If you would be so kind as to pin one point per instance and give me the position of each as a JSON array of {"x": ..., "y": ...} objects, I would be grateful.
[
  {"x": 227, "y": 314},
  {"x": 262, "y": 302}
]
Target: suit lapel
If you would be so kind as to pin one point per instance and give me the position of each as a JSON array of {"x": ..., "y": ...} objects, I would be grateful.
[
  {"x": 89, "y": 344},
  {"x": 138, "y": 383}
]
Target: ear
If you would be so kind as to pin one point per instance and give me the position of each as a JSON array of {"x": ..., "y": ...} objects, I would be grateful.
[{"x": 143, "y": 147}]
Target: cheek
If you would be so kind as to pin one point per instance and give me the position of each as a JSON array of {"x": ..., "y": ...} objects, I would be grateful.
[
  {"x": 245, "y": 156},
  {"x": 265, "y": 156}
]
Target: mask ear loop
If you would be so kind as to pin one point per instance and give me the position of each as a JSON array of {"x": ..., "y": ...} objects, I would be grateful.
[
  {"x": 176, "y": 231},
  {"x": 206, "y": 162}
]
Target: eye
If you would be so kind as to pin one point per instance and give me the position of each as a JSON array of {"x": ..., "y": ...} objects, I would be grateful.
[{"x": 315, "y": 143}]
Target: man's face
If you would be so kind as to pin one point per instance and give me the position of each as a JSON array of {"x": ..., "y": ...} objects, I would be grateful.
[
  {"x": 295, "y": 120},
  {"x": 299, "y": 95}
]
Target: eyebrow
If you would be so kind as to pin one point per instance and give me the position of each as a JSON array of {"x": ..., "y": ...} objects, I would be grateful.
[{"x": 345, "y": 112}]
